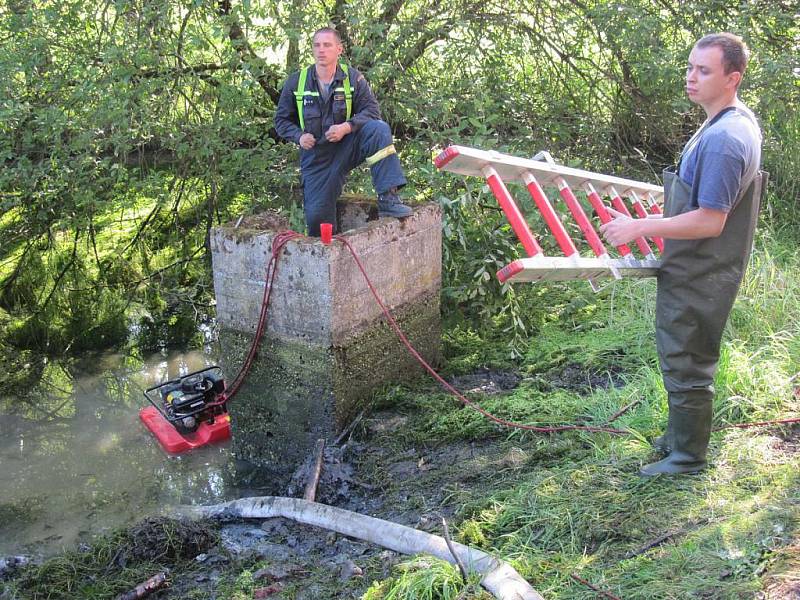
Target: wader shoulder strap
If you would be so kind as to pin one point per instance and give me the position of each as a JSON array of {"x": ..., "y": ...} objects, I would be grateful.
[
  {"x": 693, "y": 141},
  {"x": 348, "y": 91},
  {"x": 300, "y": 93}
]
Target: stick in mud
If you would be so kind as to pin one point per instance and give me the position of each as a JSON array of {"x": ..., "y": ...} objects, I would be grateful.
[
  {"x": 457, "y": 558},
  {"x": 313, "y": 478},
  {"x": 155, "y": 583},
  {"x": 622, "y": 411},
  {"x": 349, "y": 429}
]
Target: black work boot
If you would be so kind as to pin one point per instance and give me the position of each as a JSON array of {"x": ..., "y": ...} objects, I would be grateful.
[
  {"x": 690, "y": 416},
  {"x": 390, "y": 205}
]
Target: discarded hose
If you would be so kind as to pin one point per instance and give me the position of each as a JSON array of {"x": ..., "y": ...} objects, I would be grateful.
[{"x": 498, "y": 577}]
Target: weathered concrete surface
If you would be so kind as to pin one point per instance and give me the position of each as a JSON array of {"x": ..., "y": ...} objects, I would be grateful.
[
  {"x": 319, "y": 294},
  {"x": 326, "y": 346},
  {"x": 285, "y": 404}
]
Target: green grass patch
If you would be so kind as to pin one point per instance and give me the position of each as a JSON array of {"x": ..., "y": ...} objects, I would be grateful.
[
  {"x": 575, "y": 503},
  {"x": 426, "y": 578}
]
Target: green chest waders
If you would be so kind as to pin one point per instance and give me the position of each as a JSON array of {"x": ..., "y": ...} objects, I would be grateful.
[{"x": 697, "y": 285}]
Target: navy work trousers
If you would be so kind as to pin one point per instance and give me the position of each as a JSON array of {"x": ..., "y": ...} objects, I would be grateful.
[{"x": 326, "y": 165}]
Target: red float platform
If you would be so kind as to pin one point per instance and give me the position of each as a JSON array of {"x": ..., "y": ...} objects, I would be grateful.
[{"x": 175, "y": 442}]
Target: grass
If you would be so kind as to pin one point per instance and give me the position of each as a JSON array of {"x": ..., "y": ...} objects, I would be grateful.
[
  {"x": 578, "y": 506},
  {"x": 573, "y": 503},
  {"x": 116, "y": 563},
  {"x": 425, "y": 578}
]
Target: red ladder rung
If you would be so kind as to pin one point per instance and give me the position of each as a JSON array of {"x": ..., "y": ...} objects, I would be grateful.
[
  {"x": 642, "y": 213},
  {"x": 549, "y": 215},
  {"x": 512, "y": 212},
  {"x": 602, "y": 213},
  {"x": 581, "y": 219},
  {"x": 619, "y": 206}
]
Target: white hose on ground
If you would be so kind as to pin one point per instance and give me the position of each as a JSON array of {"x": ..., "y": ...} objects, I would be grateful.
[{"x": 499, "y": 578}]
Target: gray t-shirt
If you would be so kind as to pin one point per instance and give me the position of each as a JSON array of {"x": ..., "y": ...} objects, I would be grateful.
[
  {"x": 325, "y": 91},
  {"x": 721, "y": 159}
]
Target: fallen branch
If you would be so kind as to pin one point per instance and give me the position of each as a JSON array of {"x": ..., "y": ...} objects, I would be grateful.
[
  {"x": 498, "y": 577},
  {"x": 665, "y": 537},
  {"x": 155, "y": 583},
  {"x": 313, "y": 478},
  {"x": 622, "y": 411},
  {"x": 654, "y": 543},
  {"x": 608, "y": 595},
  {"x": 447, "y": 539}
]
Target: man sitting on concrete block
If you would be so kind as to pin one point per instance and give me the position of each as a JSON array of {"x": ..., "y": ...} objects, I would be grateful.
[{"x": 331, "y": 112}]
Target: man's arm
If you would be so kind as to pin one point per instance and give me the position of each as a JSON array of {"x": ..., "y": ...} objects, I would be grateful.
[
  {"x": 365, "y": 106},
  {"x": 693, "y": 225},
  {"x": 286, "y": 118}
]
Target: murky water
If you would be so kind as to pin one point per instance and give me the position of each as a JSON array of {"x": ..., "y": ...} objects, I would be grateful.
[{"x": 75, "y": 460}]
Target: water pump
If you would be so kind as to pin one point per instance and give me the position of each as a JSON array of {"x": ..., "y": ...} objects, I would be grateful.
[{"x": 188, "y": 412}]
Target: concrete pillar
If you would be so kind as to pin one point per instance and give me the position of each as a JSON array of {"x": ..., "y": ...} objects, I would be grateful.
[{"x": 326, "y": 347}]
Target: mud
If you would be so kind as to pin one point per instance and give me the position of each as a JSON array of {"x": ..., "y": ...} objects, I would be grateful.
[
  {"x": 788, "y": 440},
  {"x": 486, "y": 381},
  {"x": 576, "y": 378},
  {"x": 162, "y": 539},
  {"x": 376, "y": 473}
]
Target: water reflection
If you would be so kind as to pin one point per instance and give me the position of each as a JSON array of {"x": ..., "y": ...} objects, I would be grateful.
[{"x": 76, "y": 461}]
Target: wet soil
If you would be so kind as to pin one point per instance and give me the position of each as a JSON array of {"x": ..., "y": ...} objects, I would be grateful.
[
  {"x": 381, "y": 469},
  {"x": 378, "y": 472},
  {"x": 486, "y": 381},
  {"x": 789, "y": 440},
  {"x": 576, "y": 378}
]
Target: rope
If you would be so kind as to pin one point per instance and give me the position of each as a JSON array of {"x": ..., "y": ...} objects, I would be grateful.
[
  {"x": 759, "y": 424},
  {"x": 278, "y": 242},
  {"x": 281, "y": 239}
]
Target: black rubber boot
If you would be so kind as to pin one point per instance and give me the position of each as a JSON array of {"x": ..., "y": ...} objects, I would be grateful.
[
  {"x": 691, "y": 429},
  {"x": 663, "y": 443}
]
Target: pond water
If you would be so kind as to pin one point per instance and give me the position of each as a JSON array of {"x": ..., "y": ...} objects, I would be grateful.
[{"x": 75, "y": 460}]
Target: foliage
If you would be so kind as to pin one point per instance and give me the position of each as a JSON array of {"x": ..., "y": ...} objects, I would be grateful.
[
  {"x": 129, "y": 129},
  {"x": 425, "y": 578}
]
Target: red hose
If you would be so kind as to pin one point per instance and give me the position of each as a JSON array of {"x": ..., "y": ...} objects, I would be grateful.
[
  {"x": 282, "y": 238},
  {"x": 449, "y": 387},
  {"x": 278, "y": 242}
]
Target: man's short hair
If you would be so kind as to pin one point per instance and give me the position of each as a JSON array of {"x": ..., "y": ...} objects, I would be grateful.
[
  {"x": 330, "y": 30},
  {"x": 734, "y": 50}
]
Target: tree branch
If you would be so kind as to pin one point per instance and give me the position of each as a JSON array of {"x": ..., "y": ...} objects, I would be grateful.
[{"x": 265, "y": 75}]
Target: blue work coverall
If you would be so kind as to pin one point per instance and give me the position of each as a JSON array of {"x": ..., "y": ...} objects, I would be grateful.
[{"x": 324, "y": 167}]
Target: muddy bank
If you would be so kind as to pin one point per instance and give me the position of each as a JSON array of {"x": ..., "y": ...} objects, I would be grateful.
[{"x": 377, "y": 471}]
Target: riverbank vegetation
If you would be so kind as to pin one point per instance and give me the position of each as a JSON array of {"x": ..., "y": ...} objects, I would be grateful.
[{"x": 129, "y": 129}]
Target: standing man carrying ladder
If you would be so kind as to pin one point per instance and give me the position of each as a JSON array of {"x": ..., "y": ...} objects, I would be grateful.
[
  {"x": 711, "y": 209},
  {"x": 330, "y": 111}
]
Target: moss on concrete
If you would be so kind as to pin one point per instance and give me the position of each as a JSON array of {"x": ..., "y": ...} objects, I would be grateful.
[{"x": 296, "y": 393}]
